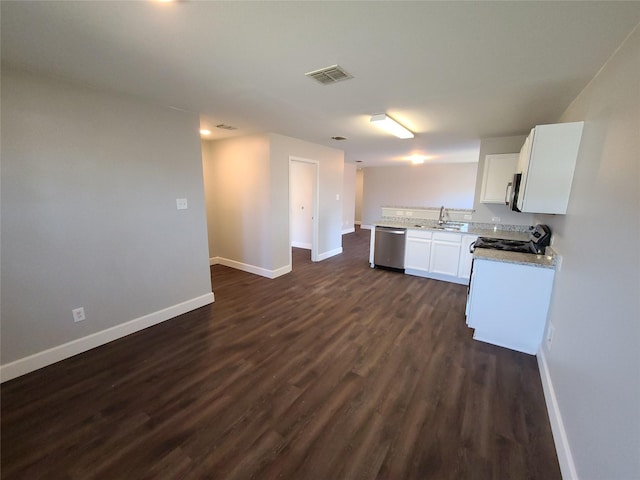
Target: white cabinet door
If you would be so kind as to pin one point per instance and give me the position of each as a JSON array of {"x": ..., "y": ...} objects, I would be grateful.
[
  {"x": 502, "y": 310},
  {"x": 498, "y": 173},
  {"x": 445, "y": 254},
  {"x": 416, "y": 254},
  {"x": 547, "y": 161},
  {"x": 466, "y": 257}
]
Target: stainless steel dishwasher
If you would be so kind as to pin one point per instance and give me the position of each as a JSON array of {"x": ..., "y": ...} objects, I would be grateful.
[{"x": 389, "y": 247}]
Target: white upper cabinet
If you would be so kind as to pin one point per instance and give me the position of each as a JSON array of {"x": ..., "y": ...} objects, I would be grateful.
[
  {"x": 547, "y": 161},
  {"x": 497, "y": 176}
]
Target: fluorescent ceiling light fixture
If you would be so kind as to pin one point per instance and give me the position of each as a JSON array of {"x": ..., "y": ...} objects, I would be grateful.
[
  {"x": 204, "y": 131},
  {"x": 417, "y": 159},
  {"x": 388, "y": 124}
]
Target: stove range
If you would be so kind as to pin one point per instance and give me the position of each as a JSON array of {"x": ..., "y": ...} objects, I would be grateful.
[{"x": 539, "y": 239}]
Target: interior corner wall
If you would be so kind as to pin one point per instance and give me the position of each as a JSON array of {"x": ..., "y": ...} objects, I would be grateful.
[
  {"x": 209, "y": 178},
  {"x": 484, "y": 212},
  {"x": 331, "y": 169},
  {"x": 349, "y": 198},
  {"x": 238, "y": 193},
  {"x": 359, "y": 188},
  {"x": 89, "y": 218},
  {"x": 594, "y": 360},
  {"x": 428, "y": 185}
]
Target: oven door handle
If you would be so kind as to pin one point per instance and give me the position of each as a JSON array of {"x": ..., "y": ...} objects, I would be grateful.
[{"x": 472, "y": 247}]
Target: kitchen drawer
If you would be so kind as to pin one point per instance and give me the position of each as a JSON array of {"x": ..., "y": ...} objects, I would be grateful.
[
  {"x": 419, "y": 233},
  {"x": 447, "y": 237}
]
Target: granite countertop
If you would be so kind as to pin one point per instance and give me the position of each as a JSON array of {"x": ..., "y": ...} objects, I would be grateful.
[
  {"x": 543, "y": 261},
  {"x": 506, "y": 232}
]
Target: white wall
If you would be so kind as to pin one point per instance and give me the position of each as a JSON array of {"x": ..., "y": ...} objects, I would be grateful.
[
  {"x": 484, "y": 212},
  {"x": 237, "y": 186},
  {"x": 89, "y": 218},
  {"x": 594, "y": 360},
  {"x": 359, "y": 192},
  {"x": 247, "y": 190},
  {"x": 331, "y": 169},
  {"x": 349, "y": 198},
  {"x": 428, "y": 185}
]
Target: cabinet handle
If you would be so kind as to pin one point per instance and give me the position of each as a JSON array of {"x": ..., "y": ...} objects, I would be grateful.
[{"x": 507, "y": 193}]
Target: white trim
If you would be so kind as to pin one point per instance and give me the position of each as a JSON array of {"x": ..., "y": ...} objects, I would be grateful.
[
  {"x": 306, "y": 246},
  {"x": 358, "y": 222},
  {"x": 263, "y": 272},
  {"x": 330, "y": 253},
  {"x": 365, "y": 226},
  {"x": 348, "y": 230},
  {"x": 39, "y": 360},
  {"x": 563, "y": 450}
]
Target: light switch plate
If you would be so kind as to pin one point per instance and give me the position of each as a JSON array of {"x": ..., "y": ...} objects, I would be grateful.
[{"x": 181, "y": 203}]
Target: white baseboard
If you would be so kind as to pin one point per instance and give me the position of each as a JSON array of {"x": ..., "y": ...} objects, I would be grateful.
[
  {"x": 330, "y": 253},
  {"x": 306, "y": 246},
  {"x": 348, "y": 230},
  {"x": 366, "y": 227},
  {"x": 563, "y": 450},
  {"x": 263, "y": 272},
  {"x": 39, "y": 360}
]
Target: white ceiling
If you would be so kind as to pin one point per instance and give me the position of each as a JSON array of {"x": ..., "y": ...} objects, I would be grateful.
[{"x": 452, "y": 72}]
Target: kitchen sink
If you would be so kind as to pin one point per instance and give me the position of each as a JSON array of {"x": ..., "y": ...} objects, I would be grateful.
[{"x": 450, "y": 227}]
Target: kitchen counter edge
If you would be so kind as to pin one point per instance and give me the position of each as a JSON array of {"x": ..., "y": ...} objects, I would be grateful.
[{"x": 542, "y": 261}]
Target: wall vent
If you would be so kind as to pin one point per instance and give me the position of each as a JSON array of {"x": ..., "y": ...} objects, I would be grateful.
[
  {"x": 226, "y": 127},
  {"x": 329, "y": 75}
]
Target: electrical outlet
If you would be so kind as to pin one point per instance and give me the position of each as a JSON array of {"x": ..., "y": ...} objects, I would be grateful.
[
  {"x": 78, "y": 314},
  {"x": 550, "y": 331},
  {"x": 181, "y": 203},
  {"x": 468, "y": 217}
]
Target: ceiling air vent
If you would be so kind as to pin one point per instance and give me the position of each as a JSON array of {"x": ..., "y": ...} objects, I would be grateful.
[
  {"x": 226, "y": 127},
  {"x": 329, "y": 75}
]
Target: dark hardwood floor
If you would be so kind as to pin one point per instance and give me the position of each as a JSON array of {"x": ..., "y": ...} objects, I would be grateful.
[{"x": 335, "y": 371}]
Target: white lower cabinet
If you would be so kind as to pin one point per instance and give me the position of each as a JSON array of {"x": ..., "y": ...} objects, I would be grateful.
[
  {"x": 466, "y": 257},
  {"x": 445, "y": 253},
  {"x": 508, "y": 304},
  {"x": 438, "y": 255},
  {"x": 417, "y": 251}
]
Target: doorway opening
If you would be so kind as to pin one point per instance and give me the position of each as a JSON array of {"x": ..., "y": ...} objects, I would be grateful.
[{"x": 303, "y": 208}]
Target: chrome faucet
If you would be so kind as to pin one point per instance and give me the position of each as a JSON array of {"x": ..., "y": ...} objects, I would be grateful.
[{"x": 442, "y": 218}]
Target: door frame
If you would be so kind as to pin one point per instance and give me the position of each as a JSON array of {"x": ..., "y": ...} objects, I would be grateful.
[{"x": 315, "y": 209}]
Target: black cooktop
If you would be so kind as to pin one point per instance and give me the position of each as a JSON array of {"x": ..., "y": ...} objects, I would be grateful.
[
  {"x": 507, "y": 245},
  {"x": 539, "y": 238}
]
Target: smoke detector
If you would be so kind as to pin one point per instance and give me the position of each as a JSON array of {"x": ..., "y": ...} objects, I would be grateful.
[{"x": 329, "y": 75}]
